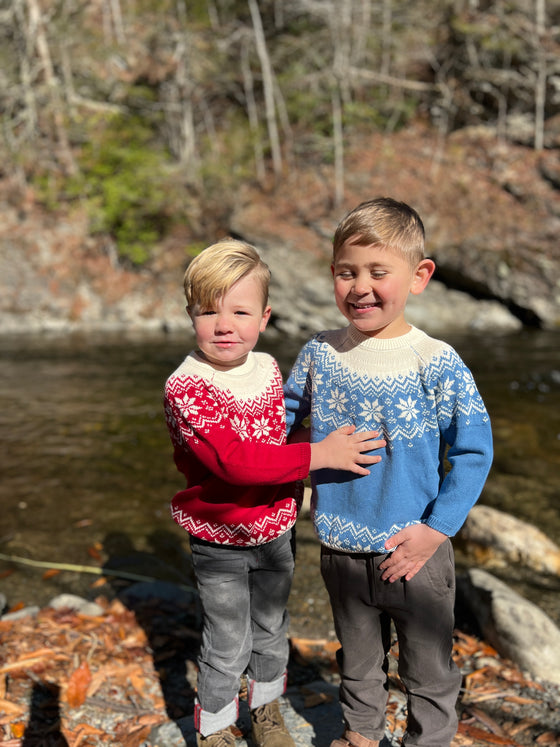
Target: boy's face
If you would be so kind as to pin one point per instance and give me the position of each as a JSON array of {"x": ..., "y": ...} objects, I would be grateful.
[
  {"x": 227, "y": 332},
  {"x": 371, "y": 287}
]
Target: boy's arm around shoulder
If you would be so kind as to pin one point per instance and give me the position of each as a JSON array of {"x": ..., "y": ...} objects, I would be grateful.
[{"x": 199, "y": 426}]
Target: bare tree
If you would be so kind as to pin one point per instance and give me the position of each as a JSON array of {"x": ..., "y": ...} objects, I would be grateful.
[
  {"x": 268, "y": 86},
  {"x": 37, "y": 42},
  {"x": 252, "y": 112},
  {"x": 540, "y": 88}
]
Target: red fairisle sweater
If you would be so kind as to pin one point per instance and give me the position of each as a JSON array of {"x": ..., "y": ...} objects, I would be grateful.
[{"x": 228, "y": 430}]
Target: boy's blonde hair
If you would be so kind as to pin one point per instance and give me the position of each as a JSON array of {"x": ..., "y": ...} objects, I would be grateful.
[
  {"x": 383, "y": 222},
  {"x": 212, "y": 273}
]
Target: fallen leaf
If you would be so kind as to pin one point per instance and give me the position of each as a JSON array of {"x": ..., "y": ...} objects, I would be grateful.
[
  {"x": 98, "y": 582},
  {"x": 50, "y": 573},
  {"x": 548, "y": 738},
  {"x": 83, "y": 523},
  {"x": 94, "y": 553},
  {"x": 18, "y": 729},
  {"x": 11, "y": 709},
  {"x": 17, "y": 607},
  {"x": 77, "y": 685},
  {"x": 485, "y": 736}
]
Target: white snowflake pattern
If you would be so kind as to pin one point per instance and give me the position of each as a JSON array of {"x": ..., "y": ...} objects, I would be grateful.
[
  {"x": 318, "y": 380},
  {"x": 446, "y": 390},
  {"x": 371, "y": 410},
  {"x": 338, "y": 400},
  {"x": 188, "y": 404},
  {"x": 261, "y": 428},
  {"x": 469, "y": 384},
  {"x": 408, "y": 408},
  {"x": 240, "y": 426}
]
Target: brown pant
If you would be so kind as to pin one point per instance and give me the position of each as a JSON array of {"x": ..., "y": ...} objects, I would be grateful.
[{"x": 422, "y": 610}]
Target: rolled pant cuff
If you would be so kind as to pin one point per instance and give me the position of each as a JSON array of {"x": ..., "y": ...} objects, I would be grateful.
[
  {"x": 261, "y": 693},
  {"x": 207, "y": 722}
]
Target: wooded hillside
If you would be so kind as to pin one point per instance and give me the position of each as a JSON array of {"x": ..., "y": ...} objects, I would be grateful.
[{"x": 150, "y": 113}]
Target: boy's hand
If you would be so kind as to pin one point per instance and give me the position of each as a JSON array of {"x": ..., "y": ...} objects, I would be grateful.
[
  {"x": 345, "y": 449},
  {"x": 413, "y": 547}
]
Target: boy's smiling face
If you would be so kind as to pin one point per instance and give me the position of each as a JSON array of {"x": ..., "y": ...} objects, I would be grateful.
[
  {"x": 372, "y": 284},
  {"x": 228, "y": 331}
]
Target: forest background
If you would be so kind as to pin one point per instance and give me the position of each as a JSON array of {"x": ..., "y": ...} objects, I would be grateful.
[{"x": 135, "y": 132}]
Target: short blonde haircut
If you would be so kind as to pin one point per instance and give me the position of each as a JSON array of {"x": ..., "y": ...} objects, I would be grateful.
[
  {"x": 383, "y": 222},
  {"x": 212, "y": 273}
]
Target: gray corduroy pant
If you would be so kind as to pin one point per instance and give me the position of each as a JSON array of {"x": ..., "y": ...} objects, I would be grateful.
[{"x": 422, "y": 611}]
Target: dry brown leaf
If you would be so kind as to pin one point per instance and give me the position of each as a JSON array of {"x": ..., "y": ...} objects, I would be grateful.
[
  {"x": 485, "y": 736},
  {"x": 7, "y": 708},
  {"x": 50, "y": 573},
  {"x": 18, "y": 729},
  {"x": 548, "y": 737},
  {"x": 94, "y": 553},
  {"x": 98, "y": 582},
  {"x": 131, "y": 734},
  {"x": 79, "y": 735},
  {"x": 78, "y": 684},
  {"x": 120, "y": 673},
  {"x": 519, "y": 700},
  {"x": 30, "y": 660}
]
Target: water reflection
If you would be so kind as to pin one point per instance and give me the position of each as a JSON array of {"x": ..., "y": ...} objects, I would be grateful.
[{"x": 86, "y": 456}]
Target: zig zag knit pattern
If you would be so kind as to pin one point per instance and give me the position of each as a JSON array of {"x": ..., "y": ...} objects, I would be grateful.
[
  {"x": 229, "y": 437},
  {"x": 418, "y": 393}
]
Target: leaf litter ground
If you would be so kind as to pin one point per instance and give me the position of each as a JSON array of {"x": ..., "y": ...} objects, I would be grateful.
[{"x": 128, "y": 677}]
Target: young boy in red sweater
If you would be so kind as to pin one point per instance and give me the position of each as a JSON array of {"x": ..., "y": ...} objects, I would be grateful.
[{"x": 225, "y": 412}]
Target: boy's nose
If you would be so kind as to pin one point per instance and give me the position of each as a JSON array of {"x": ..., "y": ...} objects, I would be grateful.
[
  {"x": 362, "y": 285},
  {"x": 223, "y": 323}
]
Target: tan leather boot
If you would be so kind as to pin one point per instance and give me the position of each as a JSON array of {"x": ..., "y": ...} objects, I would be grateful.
[{"x": 353, "y": 739}]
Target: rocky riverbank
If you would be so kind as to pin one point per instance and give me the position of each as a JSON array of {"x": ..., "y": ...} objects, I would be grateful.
[
  {"x": 491, "y": 210},
  {"x": 122, "y": 669}
]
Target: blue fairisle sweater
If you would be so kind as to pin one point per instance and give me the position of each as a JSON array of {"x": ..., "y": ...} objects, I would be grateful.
[{"x": 420, "y": 395}]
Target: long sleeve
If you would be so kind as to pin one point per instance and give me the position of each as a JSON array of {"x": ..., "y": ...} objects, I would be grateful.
[{"x": 232, "y": 448}]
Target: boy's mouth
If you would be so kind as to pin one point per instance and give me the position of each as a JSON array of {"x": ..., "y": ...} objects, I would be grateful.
[{"x": 365, "y": 306}]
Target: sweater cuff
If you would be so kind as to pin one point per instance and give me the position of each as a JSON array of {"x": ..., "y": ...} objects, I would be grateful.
[{"x": 305, "y": 449}]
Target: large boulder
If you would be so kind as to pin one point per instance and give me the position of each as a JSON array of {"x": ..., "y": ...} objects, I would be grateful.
[
  {"x": 496, "y": 538},
  {"x": 515, "y": 627}
]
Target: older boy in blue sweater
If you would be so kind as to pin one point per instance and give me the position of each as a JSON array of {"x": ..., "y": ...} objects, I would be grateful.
[{"x": 386, "y": 553}]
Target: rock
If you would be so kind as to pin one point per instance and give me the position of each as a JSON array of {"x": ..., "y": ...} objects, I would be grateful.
[
  {"x": 504, "y": 538},
  {"x": 77, "y": 604},
  {"x": 31, "y": 611},
  {"x": 515, "y": 627}
]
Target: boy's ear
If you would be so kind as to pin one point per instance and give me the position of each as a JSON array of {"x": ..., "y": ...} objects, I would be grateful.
[
  {"x": 422, "y": 274},
  {"x": 265, "y": 317}
]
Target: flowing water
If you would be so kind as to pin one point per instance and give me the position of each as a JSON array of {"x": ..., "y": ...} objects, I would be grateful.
[{"x": 87, "y": 471}]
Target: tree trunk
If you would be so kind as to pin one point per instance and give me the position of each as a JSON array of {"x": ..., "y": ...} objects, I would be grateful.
[{"x": 268, "y": 85}]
